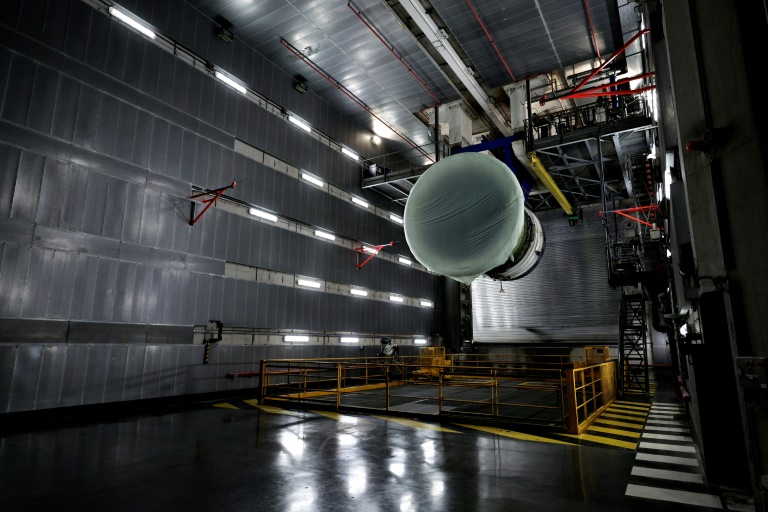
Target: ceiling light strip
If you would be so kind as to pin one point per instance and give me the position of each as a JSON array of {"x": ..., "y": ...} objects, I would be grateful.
[
  {"x": 318, "y": 285},
  {"x": 243, "y": 209},
  {"x": 201, "y": 64},
  {"x": 132, "y": 21},
  {"x": 359, "y": 14},
  {"x": 338, "y": 85},
  {"x": 273, "y": 162}
]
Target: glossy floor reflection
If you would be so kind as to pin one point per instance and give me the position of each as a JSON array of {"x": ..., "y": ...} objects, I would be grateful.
[{"x": 220, "y": 458}]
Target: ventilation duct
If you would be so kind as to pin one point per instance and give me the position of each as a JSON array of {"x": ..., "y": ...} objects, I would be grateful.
[{"x": 465, "y": 217}]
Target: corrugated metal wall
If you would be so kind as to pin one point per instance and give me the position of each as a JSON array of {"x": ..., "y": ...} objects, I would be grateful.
[
  {"x": 565, "y": 299},
  {"x": 102, "y": 135},
  {"x": 47, "y": 376}
]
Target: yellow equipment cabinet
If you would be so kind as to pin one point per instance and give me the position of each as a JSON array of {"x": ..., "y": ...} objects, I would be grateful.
[
  {"x": 432, "y": 362},
  {"x": 596, "y": 355}
]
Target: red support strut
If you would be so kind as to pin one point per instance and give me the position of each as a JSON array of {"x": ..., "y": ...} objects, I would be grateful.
[
  {"x": 216, "y": 194},
  {"x": 372, "y": 250},
  {"x": 626, "y": 211}
]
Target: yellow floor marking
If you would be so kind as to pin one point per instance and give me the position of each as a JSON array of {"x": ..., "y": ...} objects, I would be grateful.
[
  {"x": 630, "y": 407},
  {"x": 640, "y": 421},
  {"x": 618, "y": 410},
  {"x": 225, "y": 405},
  {"x": 416, "y": 424},
  {"x": 620, "y": 423},
  {"x": 514, "y": 435},
  {"x": 603, "y": 440},
  {"x": 648, "y": 406},
  {"x": 270, "y": 408},
  {"x": 338, "y": 417},
  {"x": 252, "y": 401},
  {"x": 623, "y": 433}
]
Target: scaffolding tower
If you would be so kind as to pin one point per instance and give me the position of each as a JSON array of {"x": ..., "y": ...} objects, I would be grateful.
[{"x": 633, "y": 357}]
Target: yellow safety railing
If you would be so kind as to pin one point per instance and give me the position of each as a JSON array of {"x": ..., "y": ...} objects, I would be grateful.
[
  {"x": 509, "y": 388},
  {"x": 589, "y": 391}
]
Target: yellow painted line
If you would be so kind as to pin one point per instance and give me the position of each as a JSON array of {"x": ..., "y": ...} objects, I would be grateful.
[
  {"x": 225, "y": 405},
  {"x": 626, "y": 411},
  {"x": 616, "y": 432},
  {"x": 640, "y": 421},
  {"x": 339, "y": 417},
  {"x": 620, "y": 423},
  {"x": 515, "y": 435},
  {"x": 416, "y": 424},
  {"x": 648, "y": 406},
  {"x": 271, "y": 409},
  {"x": 630, "y": 407},
  {"x": 603, "y": 440}
]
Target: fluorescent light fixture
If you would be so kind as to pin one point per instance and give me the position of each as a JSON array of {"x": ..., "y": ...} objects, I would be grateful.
[
  {"x": 308, "y": 283},
  {"x": 420, "y": 341},
  {"x": 132, "y": 22},
  {"x": 351, "y": 154},
  {"x": 359, "y": 202},
  {"x": 359, "y": 293},
  {"x": 312, "y": 179},
  {"x": 304, "y": 126},
  {"x": 262, "y": 214},
  {"x": 404, "y": 261},
  {"x": 370, "y": 250},
  {"x": 324, "y": 234},
  {"x": 395, "y": 298},
  {"x": 395, "y": 218},
  {"x": 236, "y": 86},
  {"x": 349, "y": 340},
  {"x": 426, "y": 303},
  {"x": 296, "y": 338}
]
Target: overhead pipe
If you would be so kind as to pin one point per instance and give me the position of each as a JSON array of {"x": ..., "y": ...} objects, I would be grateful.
[
  {"x": 598, "y": 70},
  {"x": 438, "y": 38},
  {"x": 592, "y": 31},
  {"x": 610, "y": 59},
  {"x": 349, "y": 94},
  {"x": 493, "y": 43},
  {"x": 533, "y": 162},
  {"x": 359, "y": 14}
]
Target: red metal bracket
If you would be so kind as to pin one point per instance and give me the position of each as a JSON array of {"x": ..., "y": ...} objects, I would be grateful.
[
  {"x": 626, "y": 211},
  {"x": 216, "y": 193},
  {"x": 371, "y": 250}
]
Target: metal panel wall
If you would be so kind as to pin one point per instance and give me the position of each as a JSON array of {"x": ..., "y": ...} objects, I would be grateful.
[
  {"x": 100, "y": 144},
  {"x": 565, "y": 299}
]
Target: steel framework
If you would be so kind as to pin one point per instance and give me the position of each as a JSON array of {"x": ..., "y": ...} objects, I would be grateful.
[{"x": 633, "y": 357}]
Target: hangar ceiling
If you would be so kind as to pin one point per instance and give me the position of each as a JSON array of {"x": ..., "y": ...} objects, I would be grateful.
[{"x": 374, "y": 62}]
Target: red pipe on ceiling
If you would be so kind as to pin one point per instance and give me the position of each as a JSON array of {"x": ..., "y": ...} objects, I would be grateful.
[
  {"x": 391, "y": 49},
  {"x": 616, "y": 54},
  {"x": 493, "y": 43},
  {"x": 351, "y": 96},
  {"x": 592, "y": 30}
]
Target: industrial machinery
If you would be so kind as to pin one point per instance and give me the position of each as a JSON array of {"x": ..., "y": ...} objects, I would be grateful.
[
  {"x": 466, "y": 217},
  {"x": 432, "y": 362}
]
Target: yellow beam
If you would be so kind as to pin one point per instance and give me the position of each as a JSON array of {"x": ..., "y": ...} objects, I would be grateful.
[{"x": 544, "y": 176}]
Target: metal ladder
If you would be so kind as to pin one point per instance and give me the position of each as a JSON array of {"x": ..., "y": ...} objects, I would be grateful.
[{"x": 633, "y": 358}]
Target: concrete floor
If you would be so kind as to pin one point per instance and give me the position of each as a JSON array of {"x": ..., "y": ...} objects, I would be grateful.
[{"x": 237, "y": 456}]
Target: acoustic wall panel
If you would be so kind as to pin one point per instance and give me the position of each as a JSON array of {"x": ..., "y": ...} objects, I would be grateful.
[{"x": 565, "y": 299}]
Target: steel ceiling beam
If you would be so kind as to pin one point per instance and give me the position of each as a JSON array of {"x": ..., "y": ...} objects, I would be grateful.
[{"x": 440, "y": 40}]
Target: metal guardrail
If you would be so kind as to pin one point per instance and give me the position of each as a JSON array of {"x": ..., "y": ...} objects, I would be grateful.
[
  {"x": 553, "y": 391},
  {"x": 590, "y": 390}
]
